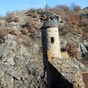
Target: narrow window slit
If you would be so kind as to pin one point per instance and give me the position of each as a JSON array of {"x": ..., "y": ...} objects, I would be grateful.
[{"x": 52, "y": 39}]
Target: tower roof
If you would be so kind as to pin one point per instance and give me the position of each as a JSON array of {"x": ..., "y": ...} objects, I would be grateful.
[
  {"x": 51, "y": 23},
  {"x": 53, "y": 20}
]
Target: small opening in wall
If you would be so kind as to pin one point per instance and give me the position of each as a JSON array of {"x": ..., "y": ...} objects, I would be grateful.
[{"x": 52, "y": 39}]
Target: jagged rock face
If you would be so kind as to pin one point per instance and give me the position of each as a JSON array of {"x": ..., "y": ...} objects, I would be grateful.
[
  {"x": 81, "y": 46},
  {"x": 84, "y": 49},
  {"x": 20, "y": 66}
]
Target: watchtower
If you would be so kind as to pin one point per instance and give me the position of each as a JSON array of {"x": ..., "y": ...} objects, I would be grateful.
[
  {"x": 51, "y": 38},
  {"x": 61, "y": 72}
]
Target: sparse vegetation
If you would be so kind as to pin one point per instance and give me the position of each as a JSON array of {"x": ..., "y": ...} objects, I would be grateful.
[
  {"x": 11, "y": 17},
  {"x": 72, "y": 50},
  {"x": 33, "y": 13},
  {"x": 21, "y": 48},
  {"x": 29, "y": 22}
]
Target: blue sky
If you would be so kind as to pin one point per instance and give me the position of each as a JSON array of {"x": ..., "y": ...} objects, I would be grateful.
[{"x": 16, "y": 5}]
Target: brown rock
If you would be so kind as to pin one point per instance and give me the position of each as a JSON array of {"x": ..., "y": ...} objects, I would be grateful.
[{"x": 25, "y": 31}]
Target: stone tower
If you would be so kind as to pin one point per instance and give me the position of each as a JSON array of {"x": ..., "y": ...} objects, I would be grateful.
[
  {"x": 52, "y": 39},
  {"x": 61, "y": 72}
]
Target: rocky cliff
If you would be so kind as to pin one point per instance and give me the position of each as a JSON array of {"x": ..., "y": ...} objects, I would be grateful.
[{"x": 21, "y": 61}]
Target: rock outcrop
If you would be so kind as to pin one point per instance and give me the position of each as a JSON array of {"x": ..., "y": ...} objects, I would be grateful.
[
  {"x": 21, "y": 61},
  {"x": 20, "y": 66}
]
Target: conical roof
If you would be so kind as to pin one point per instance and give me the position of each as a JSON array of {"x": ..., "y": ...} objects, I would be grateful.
[
  {"x": 51, "y": 23},
  {"x": 53, "y": 20}
]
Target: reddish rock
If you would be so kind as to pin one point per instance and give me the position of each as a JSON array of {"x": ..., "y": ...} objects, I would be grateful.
[{"x": 85, "y": 78}]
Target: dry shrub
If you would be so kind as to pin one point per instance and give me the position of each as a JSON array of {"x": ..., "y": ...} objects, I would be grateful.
[
  {"x": 11, "y": 17},
  {"x": 64, "y": 30},
  {"x": 72, "y": 50},
  {"x": 14, "y": 32},
  {"x": 74, "y": 20},
  {"x": 64, "y": 8},
  {"x": 24, "y": 31},
  {"x": 2, "y": 22},
  {"x": 80, "y": 31},
  {"x": 33, "y": 13},
  {"x": 31, "y": 24},
  {"x": 76, "y": 7},
  {"x": 3, "y": 32},
  {"x": 86, "y": 37},
  {"x": 59, "y": 12},
  {"x": 43, "y": 17},
  {"x": 84, "y": 24}
]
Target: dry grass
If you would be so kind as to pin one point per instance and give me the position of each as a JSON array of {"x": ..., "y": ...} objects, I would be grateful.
[{"x": 11, "y": 17}]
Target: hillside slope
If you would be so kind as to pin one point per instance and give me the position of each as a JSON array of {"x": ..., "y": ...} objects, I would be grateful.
[{"x": 21, "y": 62}]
